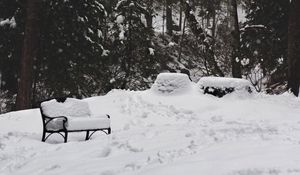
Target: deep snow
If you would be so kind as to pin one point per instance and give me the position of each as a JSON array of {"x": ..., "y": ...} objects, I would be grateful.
[{"x": 190, "y": 133}]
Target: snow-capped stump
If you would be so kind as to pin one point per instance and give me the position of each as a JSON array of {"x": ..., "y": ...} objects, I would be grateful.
[
  {"x": 220, "y": 86},
  {"x": 171, "y": 83}
]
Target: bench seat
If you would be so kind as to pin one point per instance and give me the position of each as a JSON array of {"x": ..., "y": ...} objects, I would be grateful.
[{"x": 88, "y": 123}]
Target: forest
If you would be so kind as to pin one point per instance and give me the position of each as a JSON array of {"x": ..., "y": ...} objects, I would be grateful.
[{"x": 85, "y": 48}]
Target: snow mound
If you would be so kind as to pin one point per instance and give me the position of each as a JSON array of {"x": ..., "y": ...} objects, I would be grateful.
[
  {"x": 70, "y": 108},
  {"x": 171, "y": 83}
]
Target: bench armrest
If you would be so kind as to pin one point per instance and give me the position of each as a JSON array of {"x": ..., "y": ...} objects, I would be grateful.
[{"x": 64, "y": 120}]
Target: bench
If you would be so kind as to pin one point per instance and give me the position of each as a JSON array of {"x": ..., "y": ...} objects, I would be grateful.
[{"x": 65, "y": 115}]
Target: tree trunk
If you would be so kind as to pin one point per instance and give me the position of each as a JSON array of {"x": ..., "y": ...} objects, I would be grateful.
[
  {"x": 181, "y": 40},
  {"x": 0, "y": 77},
  {"x": 149, "y": 20},
  {"x": 213, "y": 28},
  {"x": 235, "y": 40},
  {"x": 163, "y": 18},
  {"x": 29, "y": 53},
  {"x": 148, "y": 15},
  {"x": 169, "y": 20},
  {"x": 180, "y": 14},
  {"x": 294, "y": 47}
]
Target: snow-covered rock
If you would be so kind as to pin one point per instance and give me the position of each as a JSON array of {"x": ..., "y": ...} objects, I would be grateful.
[{"x": 171, "y": 83}]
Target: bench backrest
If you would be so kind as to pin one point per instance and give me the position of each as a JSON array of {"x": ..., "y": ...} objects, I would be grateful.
[{"x": 71, "y": 107}]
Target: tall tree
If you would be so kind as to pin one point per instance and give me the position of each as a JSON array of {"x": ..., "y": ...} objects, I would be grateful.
[
  {"x": 169, "y": 19},
  {"x": 264, "y": 39},
  {"x": 72, "y": 35},
  {"x": 132, "y": 55},
  {"x": 29, "y": 53},
  {"x": 11, "y": 41},
  {"x": 294, "y": 47},
  {"x": 235, "y": 39}
]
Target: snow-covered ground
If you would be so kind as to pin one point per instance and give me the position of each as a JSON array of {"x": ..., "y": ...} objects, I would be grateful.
[{"x": 157, "y": 134}]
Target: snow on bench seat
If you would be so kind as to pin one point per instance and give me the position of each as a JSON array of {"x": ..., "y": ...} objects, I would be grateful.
[
  {"x": 91, "y": 123},
  {"x": 71, "y": 107},
  {"x": 171, "y": 83}
]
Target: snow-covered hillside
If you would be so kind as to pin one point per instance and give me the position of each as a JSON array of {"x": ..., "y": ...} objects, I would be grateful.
[{"x": 154, "y": 134}]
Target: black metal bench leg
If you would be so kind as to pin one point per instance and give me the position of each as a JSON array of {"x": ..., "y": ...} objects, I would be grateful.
[
  {"x": 44, "y": 136},
  {"x": 109, "y": 130},
  {"x": 87, "y": 135},
  {"x": 66, "y": 137}
]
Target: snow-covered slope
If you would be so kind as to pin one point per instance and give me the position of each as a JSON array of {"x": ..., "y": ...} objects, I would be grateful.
[{"x": 190, "y": 133}]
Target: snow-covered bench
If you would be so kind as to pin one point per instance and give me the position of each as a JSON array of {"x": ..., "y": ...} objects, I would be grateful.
[
  {"x": 64, "y": 115},
  {"x": 220, "y": 86}
]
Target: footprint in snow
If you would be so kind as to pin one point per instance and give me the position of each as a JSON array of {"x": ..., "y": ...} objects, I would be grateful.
[
  {"x": 192, "y": 145},
  {"x": 2, "y": 146},
  {"x": 126, "y": 127},
  {"x": 150, "y": 134},
  {"x": 132, "y": 167},
  {"x": 105, "y": 152},
  {"x": 107, "y": 172},
  {"x": 185, "y": 111},
  {"x": 51, "y": 168},
  {"x": 216, "y": 119},
  {"x": 145, "y": 115},
  {"x": 130, "y": 147},
  {"x": 189, "y": 134}
]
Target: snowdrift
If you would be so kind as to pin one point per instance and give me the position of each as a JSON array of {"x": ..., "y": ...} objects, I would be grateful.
[{"x": 153, "y": 134}]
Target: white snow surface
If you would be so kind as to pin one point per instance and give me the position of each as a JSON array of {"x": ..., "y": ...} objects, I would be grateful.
[{"x": 155, "y": 134}]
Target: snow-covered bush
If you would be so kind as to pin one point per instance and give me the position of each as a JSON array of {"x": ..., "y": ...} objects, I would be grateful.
[
  {"x": 171, "y": 83},
  {"x": 220, "y": 86}
]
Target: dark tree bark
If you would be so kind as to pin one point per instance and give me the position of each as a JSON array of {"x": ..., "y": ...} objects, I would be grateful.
[
  {"x": 164, "y": 19},
  {"x": 169, "y": 19},
  {"x": 181, "y": 40},
  {"x": 213, "y": 29},
  {"x": 149, "y": 14},
  {"x": 29, "y": 53},
  {"x": 294, "y": 47},
  {"x": 235, "y": 40},
  {"x": 149, "y": 20},
  {"x": 180, "y": 14}
]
